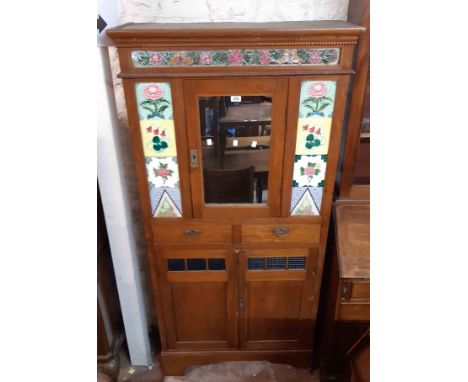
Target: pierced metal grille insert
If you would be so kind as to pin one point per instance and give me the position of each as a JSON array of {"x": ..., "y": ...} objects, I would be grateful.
[
  {"x": 216, "y": 264},
  {"x": 196, "y": 264},
  {"x": 276, "y": 263},
  {"x": 296, "y": 262},
  {"x": 175, "y": 265},
  {"x": 256, "y": 263}
]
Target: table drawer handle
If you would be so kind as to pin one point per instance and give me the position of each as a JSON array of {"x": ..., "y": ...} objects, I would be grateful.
[
  {"x": 280, "y": 231},
  {"x": 192, "y": 232}
]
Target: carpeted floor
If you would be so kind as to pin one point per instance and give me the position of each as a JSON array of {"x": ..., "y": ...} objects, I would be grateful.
[{"x": 241, "y": 371}]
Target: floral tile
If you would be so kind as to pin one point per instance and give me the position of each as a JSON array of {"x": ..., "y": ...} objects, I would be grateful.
[
  {"x": 158, "y": 138},
  {"x": 240, "y": 57},
  {"x": 301, "y": 194},
  {"x": 162, "y": 172},
  {"x": 167, "y": 208},
  {"x": 154, "y": 100},
  {"x": 309, "y": 170},
  {"x": 317, "y": 99},
  {"x": 156, "y": 195},
  {"x": 313, "y": 135}
]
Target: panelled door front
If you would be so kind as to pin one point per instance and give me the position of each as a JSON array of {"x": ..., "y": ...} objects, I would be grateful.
[
  {"x": 199, "y": 295},
  {"x": 276, "y": 300}
]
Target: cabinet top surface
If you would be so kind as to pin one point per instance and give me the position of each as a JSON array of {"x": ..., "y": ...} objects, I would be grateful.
[
  {"x": 352, "y": 238},
  {"x": 299, "y": 25},
  {"x": 315, "y": 26}
]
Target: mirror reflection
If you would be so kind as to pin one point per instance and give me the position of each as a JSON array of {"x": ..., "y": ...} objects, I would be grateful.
[{"x": 235, "y": 136}]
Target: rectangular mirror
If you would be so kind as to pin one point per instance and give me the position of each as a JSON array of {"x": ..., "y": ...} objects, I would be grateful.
[{"x": 235, "y": 138}]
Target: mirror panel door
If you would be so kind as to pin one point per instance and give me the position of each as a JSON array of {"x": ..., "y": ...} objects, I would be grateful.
[{"x": 236, "y": 139}]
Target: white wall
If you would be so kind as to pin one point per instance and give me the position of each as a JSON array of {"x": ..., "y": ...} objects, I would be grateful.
[{"x": 168, "y": 11}]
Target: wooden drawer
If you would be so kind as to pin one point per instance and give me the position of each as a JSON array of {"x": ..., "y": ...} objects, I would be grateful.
[
  {"x": 360, "y": 290},
  {"x": 355, "y": 290},
  {"x": 354, "y": 302},
  {"x": 195, "y": 233},
  {"x": 352, "y": 311},
  {"x": 277, "y": 233}
]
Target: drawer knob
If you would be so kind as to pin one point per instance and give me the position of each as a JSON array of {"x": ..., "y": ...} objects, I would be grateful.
[
  {"x": 192, "y": 232},
  {"x": 280, "y": 231}
]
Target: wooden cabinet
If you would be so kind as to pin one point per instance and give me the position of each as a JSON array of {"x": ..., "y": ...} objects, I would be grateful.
[{"x": 236, "y": 130}]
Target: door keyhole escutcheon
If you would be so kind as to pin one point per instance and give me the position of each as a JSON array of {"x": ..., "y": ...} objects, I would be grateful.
[{"x": 194, "y": 158}]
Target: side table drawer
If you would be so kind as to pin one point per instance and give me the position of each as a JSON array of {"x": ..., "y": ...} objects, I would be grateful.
[
  {"x": 360, "y": 290},
  {"x": 354, "y": 301},
  {"x": 195, "y": 233},
  {"x": 354, "y": 311}
]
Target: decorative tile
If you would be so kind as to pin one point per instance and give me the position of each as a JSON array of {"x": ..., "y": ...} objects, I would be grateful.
[
  {"x": 156, "y": 195},
  {"x": 317, "y": 99},
  {"x": 305, "y": 206},
  {"x": 242, "y": 57},
  {"x": 313, "y": 135},
  {"x": 166, "y": 208},
  {"x": 309, "y": 170},
  {"x": 154, "y": 103},
  {"x": 162, "y": 172},
  {"x": 317, "y": 193},
  {"x": 158, "y": 138},
  {"x": 306, "y": 200},
  {"x": 154, "y": 100},
  {"x": 316, "y": 104}
]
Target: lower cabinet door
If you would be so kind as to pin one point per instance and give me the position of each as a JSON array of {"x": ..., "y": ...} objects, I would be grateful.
[
  {"x": 199, "y": 296},
  {"x": 276, "y": 303}
]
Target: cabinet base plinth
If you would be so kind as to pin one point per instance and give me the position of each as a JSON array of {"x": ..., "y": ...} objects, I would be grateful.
[{"x": 176, "y": 362}]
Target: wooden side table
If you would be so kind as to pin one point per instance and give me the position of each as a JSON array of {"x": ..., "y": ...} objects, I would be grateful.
[{"x": 345, "y": 303}]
